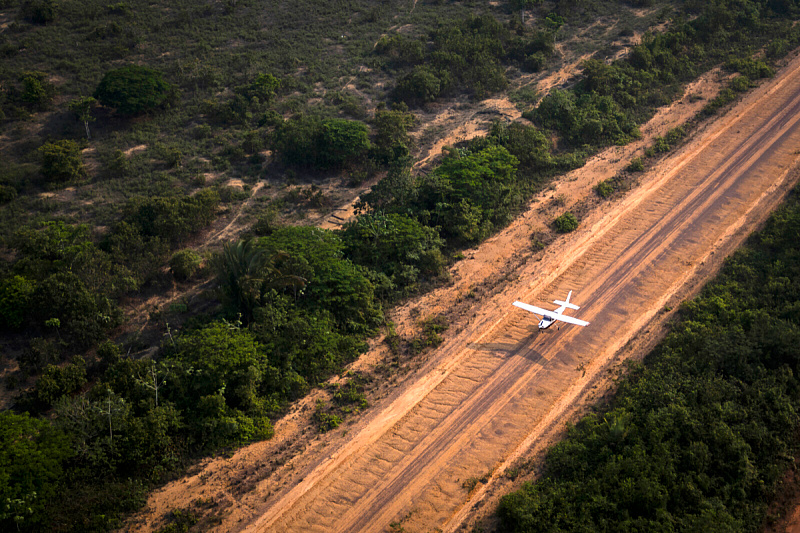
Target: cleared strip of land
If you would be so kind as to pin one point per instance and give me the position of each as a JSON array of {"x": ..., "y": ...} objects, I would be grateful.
[{"x": 499, "y": 387}]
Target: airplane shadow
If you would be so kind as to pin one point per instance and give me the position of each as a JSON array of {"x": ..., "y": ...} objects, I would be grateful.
[{"x": 523, "y": 348}]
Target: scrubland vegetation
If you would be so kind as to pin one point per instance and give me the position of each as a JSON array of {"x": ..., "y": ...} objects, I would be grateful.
[{"x": 117, "y": 119}]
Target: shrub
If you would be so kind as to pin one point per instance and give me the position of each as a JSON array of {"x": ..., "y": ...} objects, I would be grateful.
[
  {"x": 184, "y": 264},
  {"x": 636, "y": 165},
  {"x": 7, "y": 193},
  {"x": 740, "y": 84},
  {"x": 15, "y": 295},
  {"x": 57, "y": 382},
  {"x": 604, "y": 189},
  {"x": 39, "y": 11},
  {"x": 324, "y": 144},
  {"x": 392, "y": 142},
  {"x": 566, "y": 223},
  {"x": 421, "y": 85},
  {"x": 36, "y": 91},
  {"x": 61, "y": 161},
  {"x": 134, "y": 89}
]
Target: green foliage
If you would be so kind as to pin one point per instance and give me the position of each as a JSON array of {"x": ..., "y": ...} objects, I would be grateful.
[
  {"x": 422, "y": 85},
  {"x": 262, "y": 89},
  {"x": 223, "y": 375},
  {"x": 604, "y": 188},
  {"x": 182, "y": 521},
  {"x": 529, "y": 145},
  {"x": 32, "y": 456},
  {"x": 326, "y": 421},
  {"x": 133, "y": 90},
  {"x": 752, "y": 68},
  {"x": 590, "y": 118},
  {"x": 636, "y": 165},
  {"x": 56, "y": 382},
  {"x": 395, "y": 245},
  {"x": 392, "y": 143},
  {"x": 566, "y": 223},
  {"x": 39, "y": 11},
  {"x": 173, "y": 219},
  {"x": 36, "y": 91},
  {"x": 430, "y": 336},
  {"x": 248, "y": 273},
  {"x": 82, "y": 107},
  {"x": 15, "y": 296},
  {"x": 699, "y": 437},
  {"x": 334, "y": 284},
  {"x": 323, "y": 144},
  {"x": 465, "y": 55},
  {"x": 470, "y": 193},
  {"x": 184, "y": 264},
  {"x": 84, "y": 316},
  {"x": 61, "y": 161},
  {"x": 350, "y": 395},
  {"x": 401, "y": 50}
]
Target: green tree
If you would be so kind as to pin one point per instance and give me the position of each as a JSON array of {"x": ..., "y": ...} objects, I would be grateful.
[
  {"x": 334, "y": 284},
  {"x": 470, "y": 193},
  {"x": 32, "y": 456},
  {"x": 396, "y": 245},
  {"x": 421, "y": 85},
  {"x": 262, "y": 89},
  {"x": 392, "y": 142},
  {"x": 37, "y": 91},
  {"x": 56, "y": 382},
  {"x": 247, "y": 272},
  {"x": 15, "y": 297},
  {"x": 134, "y": 89},
  {"x": 84, "y": 315},
  {"x": 61, "y": 161},
  {"x": 324, "y": 144},
  {"x": 82, "y": 107}
]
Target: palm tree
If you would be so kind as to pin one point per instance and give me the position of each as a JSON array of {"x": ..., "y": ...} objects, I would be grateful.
[{"x": 247, "y": 272}]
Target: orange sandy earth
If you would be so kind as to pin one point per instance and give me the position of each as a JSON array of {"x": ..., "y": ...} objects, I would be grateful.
[{"x": 497, "y": 392}]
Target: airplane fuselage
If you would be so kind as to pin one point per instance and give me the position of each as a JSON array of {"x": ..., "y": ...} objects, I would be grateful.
[{"x": 548, "y": 321}]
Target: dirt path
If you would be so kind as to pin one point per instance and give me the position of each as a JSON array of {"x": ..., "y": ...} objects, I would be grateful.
[{"x": 498, "y": 388}]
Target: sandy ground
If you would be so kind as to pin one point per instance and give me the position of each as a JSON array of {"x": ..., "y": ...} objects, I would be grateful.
[{"x": 497, "y": 393}]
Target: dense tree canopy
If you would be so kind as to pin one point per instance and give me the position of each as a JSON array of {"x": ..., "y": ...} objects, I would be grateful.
[
  {"x": 133, "y": 89},
  {"x": 324, "y": 144}
]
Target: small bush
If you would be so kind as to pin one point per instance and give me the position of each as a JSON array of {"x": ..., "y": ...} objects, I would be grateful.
[
  {"x": 566, "y": 223},
  {"x": 740, "y": 84},
  {"x": 184, "y": 264},
  {"x": 636, "y": 165},
  {"x": 57, "y": 382},
  {"x": 61, "y": 161},
  {"x": 604, "y": 189}
]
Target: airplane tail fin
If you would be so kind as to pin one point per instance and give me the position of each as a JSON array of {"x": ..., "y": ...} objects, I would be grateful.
[{"x": 567, "y": 304}]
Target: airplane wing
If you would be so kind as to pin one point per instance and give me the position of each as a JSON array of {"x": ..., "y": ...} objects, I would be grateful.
[
  {"x": 534, "y": 309},
  {"x": 568, "y": 319},
  {"x": 551, "y": 314}
]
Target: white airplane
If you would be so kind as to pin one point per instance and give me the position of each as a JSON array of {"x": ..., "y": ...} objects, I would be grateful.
[{"x": 548, "y": 317}]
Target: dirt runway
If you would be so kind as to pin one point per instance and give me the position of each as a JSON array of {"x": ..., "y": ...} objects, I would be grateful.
[{"x": 499, "y": 387}]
